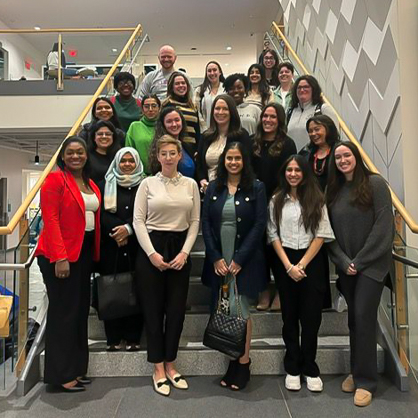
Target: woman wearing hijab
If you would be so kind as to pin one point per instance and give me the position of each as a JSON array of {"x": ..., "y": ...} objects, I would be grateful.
[{"x": 119, "y": 244}]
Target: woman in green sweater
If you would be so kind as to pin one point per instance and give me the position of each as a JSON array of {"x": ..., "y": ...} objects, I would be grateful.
[
  {"x": 128, "y": 109},
  {"x": 141, "y": 133},
  {"x": 360, "y": 209}
]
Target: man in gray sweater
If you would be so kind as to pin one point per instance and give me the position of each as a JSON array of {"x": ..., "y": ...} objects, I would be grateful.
[{"x": 156, "y": 81}]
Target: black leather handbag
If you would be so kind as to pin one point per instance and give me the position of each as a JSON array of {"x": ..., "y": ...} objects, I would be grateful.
[
  {"x": 116, "y": 295},
  {"x": 226, "y": 333}
]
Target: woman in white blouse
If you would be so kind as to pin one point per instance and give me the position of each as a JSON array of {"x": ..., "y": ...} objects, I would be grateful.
[
  {"x": 298, "y": 226},
  {"x": 166, "y": 223}
]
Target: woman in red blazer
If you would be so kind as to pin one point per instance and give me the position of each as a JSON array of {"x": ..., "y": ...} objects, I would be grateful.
[{"x": 68, "y": 244}]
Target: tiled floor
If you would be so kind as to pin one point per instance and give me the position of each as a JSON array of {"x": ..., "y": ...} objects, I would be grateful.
[{"x": 265, "y": 397}]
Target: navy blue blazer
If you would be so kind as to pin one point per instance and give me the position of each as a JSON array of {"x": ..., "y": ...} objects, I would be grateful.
[{"x": 251, "y": 216}]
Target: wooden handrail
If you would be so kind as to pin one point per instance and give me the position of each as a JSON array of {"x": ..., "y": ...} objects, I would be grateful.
[
  {"x": 413, "y": 226},
  {"x": 6, "y": 230},
  {"x": 66, "y": 30}
]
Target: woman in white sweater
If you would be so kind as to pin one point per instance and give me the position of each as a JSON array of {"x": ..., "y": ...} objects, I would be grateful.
[{"x": 166, "y": 223}]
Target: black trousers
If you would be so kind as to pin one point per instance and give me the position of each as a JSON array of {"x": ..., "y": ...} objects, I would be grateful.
[
  {"x": 128, "y": 328},
  {"x": 66, "y": 337},
  {"x": 362, "y": 295},
  {"x": 302, "y": 303},
  {"x": 163, "y": 297}
]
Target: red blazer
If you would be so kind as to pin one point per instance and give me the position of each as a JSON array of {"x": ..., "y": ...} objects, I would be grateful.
[{"x": 63, "y": 215}]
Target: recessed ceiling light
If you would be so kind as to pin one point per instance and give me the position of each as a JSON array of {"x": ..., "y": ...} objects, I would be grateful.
[
  {"x": 226, "y": 65},
  {"x": 36, "y": 28},
  {"x": 228, "y": 48},
  {"x": 114, "y": 50}
]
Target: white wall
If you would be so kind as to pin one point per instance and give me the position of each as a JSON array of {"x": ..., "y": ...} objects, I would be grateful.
[
  {"x": 41, "y": 111},
  {"x": 11, "y": 165},
  {"x": 20, "y": 50}
]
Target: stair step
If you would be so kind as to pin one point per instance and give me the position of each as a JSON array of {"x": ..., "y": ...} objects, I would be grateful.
[
  {"x": 195, "y": 360},
  {"x": 264, "y": 324}
]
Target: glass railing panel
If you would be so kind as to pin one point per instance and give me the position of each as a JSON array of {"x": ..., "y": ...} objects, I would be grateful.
[{"x": 405, "y": 309}]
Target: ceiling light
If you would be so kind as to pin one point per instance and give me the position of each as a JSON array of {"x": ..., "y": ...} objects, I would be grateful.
[
  {"x": 36, "y": 28},
  {"x": 37, "y": 159},
  {"x": 226, "y": 65},
  {"x": 114, "y": 50},
  {"x": 228, "y": 48}
]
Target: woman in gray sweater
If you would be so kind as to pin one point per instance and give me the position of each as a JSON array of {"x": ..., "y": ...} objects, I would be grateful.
[{"x": 360, "y": 209}]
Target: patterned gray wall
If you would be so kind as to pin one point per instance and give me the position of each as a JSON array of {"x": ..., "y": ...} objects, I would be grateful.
[{"x": 350, "y": 46}]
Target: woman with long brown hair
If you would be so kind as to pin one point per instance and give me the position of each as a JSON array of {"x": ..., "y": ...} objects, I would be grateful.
[
  {"x": 259, "y": 92},
  {"x": 298, "y": 226},
  {"x": 271, "y": 148},
  {"x": 225, "y": 127},
  {"x": 360, "y": 208},
  {"x": 211, "y": 87},
  {"x": 179, "y": 96}
]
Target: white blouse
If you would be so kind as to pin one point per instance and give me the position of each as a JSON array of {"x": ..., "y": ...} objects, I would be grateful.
[
  {"x": 91, "y": 203},
  {"x": 292, "y": 233}
]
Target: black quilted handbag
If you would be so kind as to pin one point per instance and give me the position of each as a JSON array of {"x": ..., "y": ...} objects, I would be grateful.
[{"x": 226, "y": 333}]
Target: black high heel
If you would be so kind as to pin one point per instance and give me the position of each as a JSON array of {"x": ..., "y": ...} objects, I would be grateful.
[
  {"x": 241, "y": 376},
  {"x": 229, "y": 373}
]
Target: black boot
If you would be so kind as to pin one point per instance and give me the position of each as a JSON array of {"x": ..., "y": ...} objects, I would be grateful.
[
  {"x": 229, "y": 373},
  {"x": 241, "y": 376}
]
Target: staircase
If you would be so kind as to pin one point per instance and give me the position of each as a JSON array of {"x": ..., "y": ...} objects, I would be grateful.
[{"x": 267, "y": 347}]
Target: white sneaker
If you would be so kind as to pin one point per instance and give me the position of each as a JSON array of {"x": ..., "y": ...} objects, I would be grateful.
[
  {"x": 314, "y": 384},
  {"x": 292, "y": 382}
]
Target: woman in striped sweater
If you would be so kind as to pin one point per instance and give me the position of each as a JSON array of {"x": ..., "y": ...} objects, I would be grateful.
[{"x": 179, "y": 96}]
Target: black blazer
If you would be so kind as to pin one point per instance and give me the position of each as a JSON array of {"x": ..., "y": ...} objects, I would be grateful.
[
  {"x": 251, "y": 216},
  {"x": 202, "y": 168},
  {"x": 108, "y": 220}
]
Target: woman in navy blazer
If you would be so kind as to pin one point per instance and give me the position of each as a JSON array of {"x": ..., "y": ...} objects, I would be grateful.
[
  {"x": 67, "y": 246},
  {"x": 234, "y": 219}
]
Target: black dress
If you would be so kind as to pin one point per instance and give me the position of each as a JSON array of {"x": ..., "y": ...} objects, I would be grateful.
[
  {"x": 266, "y": 168},
  {"x": 99, "y": 164},
  {"x": 119, "y": 259}
]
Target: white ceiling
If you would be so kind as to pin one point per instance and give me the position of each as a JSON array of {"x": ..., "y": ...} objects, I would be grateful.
[{"x": 208, "y": 25}]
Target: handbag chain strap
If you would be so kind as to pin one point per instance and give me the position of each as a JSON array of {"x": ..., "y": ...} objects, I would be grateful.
[{"x": 237, "y": 302}]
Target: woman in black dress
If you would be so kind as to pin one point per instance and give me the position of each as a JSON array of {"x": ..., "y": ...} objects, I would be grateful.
[
  {"x": 271, "y": 148},
  {"x": 102, "y": 148}
]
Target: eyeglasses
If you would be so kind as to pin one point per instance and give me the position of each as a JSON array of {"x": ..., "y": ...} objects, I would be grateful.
[
  {"x": 304, "y": 87},
  {"x": 125, "y": 83},
  {"x": 105, "y": 134},
  {"x": 150, "y": 106}
]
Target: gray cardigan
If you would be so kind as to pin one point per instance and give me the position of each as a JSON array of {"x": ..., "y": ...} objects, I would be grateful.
[{"x": 364, "y": 238}]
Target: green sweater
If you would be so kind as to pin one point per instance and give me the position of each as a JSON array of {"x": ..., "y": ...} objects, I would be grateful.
[{"x": 140, "y": 136}]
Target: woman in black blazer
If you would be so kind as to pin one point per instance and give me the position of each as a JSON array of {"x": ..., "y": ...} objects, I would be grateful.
[
  {"x": 234, "y": 218},
  {"x": 225, "y": 127},
  {"x": 119, "y": 245}
]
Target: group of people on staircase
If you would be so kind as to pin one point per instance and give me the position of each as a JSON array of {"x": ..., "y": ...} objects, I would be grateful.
[{"x": 281, "y": 193}]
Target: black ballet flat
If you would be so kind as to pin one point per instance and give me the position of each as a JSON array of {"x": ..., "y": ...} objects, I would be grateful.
[
  {"x": 78, "y": 387},
  {"x": 84, "y": 380}
]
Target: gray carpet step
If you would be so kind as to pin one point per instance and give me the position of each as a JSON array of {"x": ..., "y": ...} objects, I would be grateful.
[
  {"x": 194, "y": 359},
  {"x": 264, "y": 324}
]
